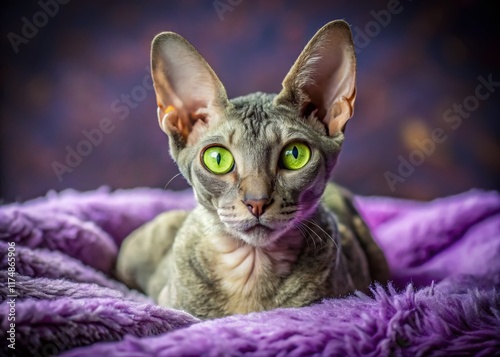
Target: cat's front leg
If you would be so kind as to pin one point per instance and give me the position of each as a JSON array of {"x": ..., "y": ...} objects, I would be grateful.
[
  {"x": 316, "y": 279},
  {"x": 358, "y": 243},
  {"x": 144, "y": 250}
]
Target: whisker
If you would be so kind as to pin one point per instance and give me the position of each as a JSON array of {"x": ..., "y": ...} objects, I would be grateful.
[
  {"x": 331, "y": 238},
  {"x": 168, "y": 183},
  {"x": 339, "y": 246},
  {"x": 317, "y": 236},
  {"x": 302, "y": 233},
  {"x": 310, "y": 230},
  {"x": 321, "y": 229}
]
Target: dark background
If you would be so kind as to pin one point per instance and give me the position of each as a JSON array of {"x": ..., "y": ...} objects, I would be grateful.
[{"x": 425, "y": 59}]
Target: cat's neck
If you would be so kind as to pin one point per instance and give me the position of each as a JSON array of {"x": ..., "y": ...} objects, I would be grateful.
[
  {"x": 246, "y": 273},
  {"x": 278, "y": 255}
]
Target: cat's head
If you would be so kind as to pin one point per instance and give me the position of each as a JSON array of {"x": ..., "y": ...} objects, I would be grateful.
[{"x": 261, "y": 162}]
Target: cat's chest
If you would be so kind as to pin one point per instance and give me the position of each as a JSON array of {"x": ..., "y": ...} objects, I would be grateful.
[{"x": 248, "y": 276}]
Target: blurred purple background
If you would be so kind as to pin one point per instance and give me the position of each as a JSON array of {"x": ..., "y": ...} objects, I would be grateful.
[{"x": 76, "y": 72}]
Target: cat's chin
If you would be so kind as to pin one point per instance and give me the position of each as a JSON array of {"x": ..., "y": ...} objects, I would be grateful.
[{"x": 259, "y": 235}]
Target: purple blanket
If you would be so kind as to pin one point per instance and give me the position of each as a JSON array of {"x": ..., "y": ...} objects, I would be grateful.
[{"x": 444, "y": 258}]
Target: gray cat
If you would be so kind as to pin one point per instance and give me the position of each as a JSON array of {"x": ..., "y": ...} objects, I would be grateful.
[{"x": 268, "y": 230}]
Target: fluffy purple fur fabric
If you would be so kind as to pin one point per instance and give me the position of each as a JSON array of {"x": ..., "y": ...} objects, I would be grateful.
[{"x": 444, "y": 257}]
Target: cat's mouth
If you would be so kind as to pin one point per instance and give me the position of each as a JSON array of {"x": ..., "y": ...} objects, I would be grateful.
[
  {"x": 258, "y": 228},
  {"x": 259, "y": 234},
  {"x": 256, "y": 231}
]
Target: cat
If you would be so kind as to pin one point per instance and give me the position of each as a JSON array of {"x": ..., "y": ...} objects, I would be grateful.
[{"x": 269, "y": 230}]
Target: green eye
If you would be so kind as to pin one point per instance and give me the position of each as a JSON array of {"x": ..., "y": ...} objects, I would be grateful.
[
  {"x": 218, "y": 160},
  {"x": 295, "y": 156}
]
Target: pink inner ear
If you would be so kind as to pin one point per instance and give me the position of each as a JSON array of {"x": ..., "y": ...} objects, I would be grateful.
[
  {"x": 337, "y": 116},
  {"x": 322, "y": 80}
]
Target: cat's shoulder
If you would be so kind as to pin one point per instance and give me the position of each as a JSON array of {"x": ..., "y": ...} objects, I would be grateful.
[{"x": 338, "y": 199}]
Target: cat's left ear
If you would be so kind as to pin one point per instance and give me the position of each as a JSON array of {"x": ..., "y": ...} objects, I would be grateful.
[
  {"x": 189, "y": 93},
  {"x": 322, "y": 80}
]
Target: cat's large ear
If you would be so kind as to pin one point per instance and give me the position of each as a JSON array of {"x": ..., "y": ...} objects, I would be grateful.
[
  {"x": 322, "y": 80},
  {"x": 188, "y": 92}
]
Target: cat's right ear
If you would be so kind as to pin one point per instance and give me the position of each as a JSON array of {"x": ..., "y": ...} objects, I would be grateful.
[
  {"x": 322, "y": 80},
  {"x": 189, "y": 95}
]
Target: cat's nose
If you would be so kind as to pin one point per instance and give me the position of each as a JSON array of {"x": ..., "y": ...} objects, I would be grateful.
[{"x": 257, "y": 206}]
